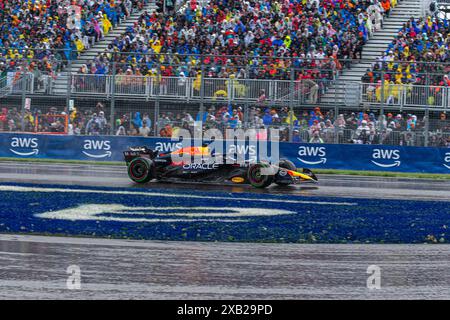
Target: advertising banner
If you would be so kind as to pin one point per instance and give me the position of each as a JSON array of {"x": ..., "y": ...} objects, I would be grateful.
[{"x": 324, "y": 156}]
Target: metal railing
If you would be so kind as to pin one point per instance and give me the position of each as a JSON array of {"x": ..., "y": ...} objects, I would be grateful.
[
  {"x": 214, "y": 89},
  {"x": 17, "y": 84},
  {"x": 275, "y": 91},
  {"x": 233, "y": 90},
  {"x": 402, "y": 95}
]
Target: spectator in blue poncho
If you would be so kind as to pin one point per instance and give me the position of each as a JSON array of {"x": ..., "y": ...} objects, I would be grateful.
[
  {"x": 137, "y": 121},
  {"x": 296, "y": 136},
  {"x": 267, "y": 118}
]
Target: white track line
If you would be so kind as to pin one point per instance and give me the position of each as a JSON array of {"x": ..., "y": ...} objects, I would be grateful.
[{"x": 168, "y": 195}]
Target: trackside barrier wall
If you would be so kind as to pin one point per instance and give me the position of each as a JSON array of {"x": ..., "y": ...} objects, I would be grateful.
[{"x": 323, "y": 156}]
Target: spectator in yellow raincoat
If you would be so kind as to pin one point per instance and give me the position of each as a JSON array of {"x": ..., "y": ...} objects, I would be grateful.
[
  {"x": 153, "y": 74},
  {"x": 398, "y": 75},
  {"x": 378, "y": 91},
  {"x": 395, "y": 90},
  {"x": 388, "y": 88},
  {"x": 288, "y": 41},
  {"x": 406, "y": 51},
  {"x": 106, "y": 24},
  {"x": 73, "y": 114},
  {"x": 79, "y": 45},
  {"x": 29, "y": 117},
  {"x": 291, "y": 118},
  {"x": 220, "y": 93},
  {"x": 239, "y": 89},
  {"x": 198, "y": 81},
  {"x": 156, "y": 46}
]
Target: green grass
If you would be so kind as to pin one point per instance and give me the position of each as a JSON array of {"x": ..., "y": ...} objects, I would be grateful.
[
  {"x": 318, "y": 171},
  {"x": 101, "y": 163}
]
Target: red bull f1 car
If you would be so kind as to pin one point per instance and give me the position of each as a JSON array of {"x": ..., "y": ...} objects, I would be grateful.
[{"x": 145, "y": 165}]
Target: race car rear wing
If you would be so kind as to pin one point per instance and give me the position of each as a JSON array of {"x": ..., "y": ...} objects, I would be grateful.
[{"x": 139, "y": 152}]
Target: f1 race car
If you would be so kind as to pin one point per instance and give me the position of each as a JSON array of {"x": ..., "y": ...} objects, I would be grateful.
[{"x": 145, "y": 165}]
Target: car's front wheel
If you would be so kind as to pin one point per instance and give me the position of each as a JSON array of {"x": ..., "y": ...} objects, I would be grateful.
[{"x": 140, "y": 170}]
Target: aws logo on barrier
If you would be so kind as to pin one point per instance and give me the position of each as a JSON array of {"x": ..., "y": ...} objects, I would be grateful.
[
  {"x": 386, "y": 158},
  {"x": 315, "y": 155},
  {"x": 97, "y": 148},
  {"x": 242, "y": 149},
  {"x": 247, "y": 151},
  {"x": 164, "y": 147},
  {"x": 447, "y": 160},
  {"x": 24, "y": 146}
]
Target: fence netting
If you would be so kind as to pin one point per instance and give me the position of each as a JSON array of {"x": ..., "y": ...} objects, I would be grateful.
[{"x": 296, "y": 123}]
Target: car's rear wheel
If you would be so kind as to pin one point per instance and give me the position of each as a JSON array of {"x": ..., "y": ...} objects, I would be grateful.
[
  {"x": 140, "y": 170},
  {"x": 256, "y": 178},
  {"x": 288, "y": 165}
]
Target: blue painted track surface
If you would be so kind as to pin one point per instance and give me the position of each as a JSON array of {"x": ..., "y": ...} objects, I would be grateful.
[{"x": 155, "y": 214}]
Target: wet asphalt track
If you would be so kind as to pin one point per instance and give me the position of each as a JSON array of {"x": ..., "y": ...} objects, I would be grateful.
[
  {"x": 35, "y": 267},
  {"x": 329, "y": 185}
]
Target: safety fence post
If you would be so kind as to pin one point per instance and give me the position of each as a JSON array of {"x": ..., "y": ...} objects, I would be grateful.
[
  {"x": 291, "y": 104},
  {"x": 382, "y": 91},
  {"x": 247, "y": 97},
  {"x": 69, "y": 88},
  {"x": 24, "y": 98},
  {"x": 113, "y": 97},
  {"x": 427, "y": 126},
  {"x": 336, "y": 129},
  {"x": 157, "y": 101},
  {"x": 202, "y": 85}
]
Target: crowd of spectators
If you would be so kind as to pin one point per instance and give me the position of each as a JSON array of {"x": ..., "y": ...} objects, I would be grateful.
[
  {"x": 232, "y": 39},
  {"x": 317, "y": 126},
  {"x": 309, "y": 126},
  {"x": 42, "y": 35},
  {"x": 246, "y": 39},
  {"x": 417, "y": 56},
  {"x": 12, "y": 120},
  {"x": 313, "y": 34}
]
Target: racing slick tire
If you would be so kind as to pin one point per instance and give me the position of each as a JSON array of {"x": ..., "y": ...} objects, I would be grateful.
[
  {"x": 285, "y": 164},
  {"x": 141, "y": 170},
  {"x": 255, "y": 177}
]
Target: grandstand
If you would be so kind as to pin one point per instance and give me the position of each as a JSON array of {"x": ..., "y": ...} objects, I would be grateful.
[
  {"x": 373, "y": 49},
  {"x": 317, "y": 69},
  {"x": 60, "y": 85}
]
